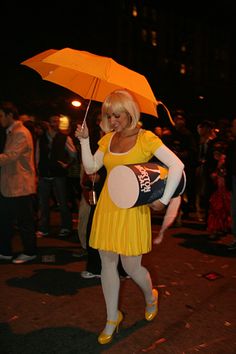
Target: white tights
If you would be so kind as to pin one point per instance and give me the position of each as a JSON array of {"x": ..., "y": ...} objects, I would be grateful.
[{"x": 111, "y": 281}]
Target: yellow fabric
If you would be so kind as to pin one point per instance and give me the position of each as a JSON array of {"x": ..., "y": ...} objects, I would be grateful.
[{"x": 124, "y": 231}]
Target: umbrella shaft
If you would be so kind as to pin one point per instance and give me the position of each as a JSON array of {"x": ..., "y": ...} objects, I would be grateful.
[
  {"x": 87, "y": 109},
  {"x": 86, "y": 113}
]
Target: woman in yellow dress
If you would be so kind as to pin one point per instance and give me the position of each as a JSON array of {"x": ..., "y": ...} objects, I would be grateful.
[{"x": 117, "y": 231}]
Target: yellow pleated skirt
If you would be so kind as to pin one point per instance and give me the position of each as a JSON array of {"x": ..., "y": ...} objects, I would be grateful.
[{"x": 123, "y": 231}]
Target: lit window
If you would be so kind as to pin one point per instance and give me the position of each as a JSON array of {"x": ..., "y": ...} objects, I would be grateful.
[
  {"x": 200, "y": 97},
  {"x": 135, "y": 11},
  {"x": 183, "y": 69},
  {"x": 154, "y": 38}
]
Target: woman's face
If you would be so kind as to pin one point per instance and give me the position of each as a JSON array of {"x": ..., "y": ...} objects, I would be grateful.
[{"x": 118, "y": 121}]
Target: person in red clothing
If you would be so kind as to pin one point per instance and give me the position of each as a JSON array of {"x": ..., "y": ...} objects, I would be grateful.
[
  {"x": 231, "y": 181},
  {"x": 219, "y": 218}
]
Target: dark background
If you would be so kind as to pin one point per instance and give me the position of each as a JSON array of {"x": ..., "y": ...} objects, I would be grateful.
[{"x": 155, "y": 38}]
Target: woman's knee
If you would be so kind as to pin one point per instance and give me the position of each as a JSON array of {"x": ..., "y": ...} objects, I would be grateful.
[
  {"x": 109, "y": 258},
  {"x": 132, "y": 264}
]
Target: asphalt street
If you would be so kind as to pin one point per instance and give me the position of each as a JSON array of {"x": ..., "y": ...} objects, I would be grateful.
[{"x": 46, "y": 307}]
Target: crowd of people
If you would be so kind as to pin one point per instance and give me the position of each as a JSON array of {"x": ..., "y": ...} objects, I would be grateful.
[
  {"x": 62, "y": 183},
  {"x": 42, "y": 164},
  {"x": 208, "y": 153}
]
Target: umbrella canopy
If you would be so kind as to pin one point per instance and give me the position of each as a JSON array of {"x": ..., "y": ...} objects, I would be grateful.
[{"x": 92, "y": 76}]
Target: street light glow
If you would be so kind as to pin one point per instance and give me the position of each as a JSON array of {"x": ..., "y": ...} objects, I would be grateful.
[{"x": 76, "y": 103}]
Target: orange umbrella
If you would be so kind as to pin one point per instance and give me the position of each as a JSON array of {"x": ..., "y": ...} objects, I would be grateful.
[{"x": 92, "y": 76}]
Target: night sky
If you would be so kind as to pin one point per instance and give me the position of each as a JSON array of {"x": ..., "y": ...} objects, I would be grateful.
[{"x": 28, "y": 29}]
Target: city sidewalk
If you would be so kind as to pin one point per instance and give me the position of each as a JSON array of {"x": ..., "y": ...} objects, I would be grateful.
[{"x": 46, "y": 307}]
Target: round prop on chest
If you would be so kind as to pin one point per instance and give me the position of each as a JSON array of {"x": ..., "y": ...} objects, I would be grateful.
[{"x": 137, "y": 184}]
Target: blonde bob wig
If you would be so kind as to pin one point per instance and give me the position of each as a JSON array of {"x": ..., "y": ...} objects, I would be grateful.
[{"x": 120, "y": 101}]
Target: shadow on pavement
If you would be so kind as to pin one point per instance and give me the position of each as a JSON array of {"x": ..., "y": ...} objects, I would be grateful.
[
  {"x": 55, "y": 282},
  {"x": 60, "y": 340},
  {"x": 203, "y": 244}
]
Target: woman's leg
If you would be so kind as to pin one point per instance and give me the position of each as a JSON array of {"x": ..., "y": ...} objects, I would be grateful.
[
  {"x": 132, "y": 266},
  {"x": 110, "y": 285}
]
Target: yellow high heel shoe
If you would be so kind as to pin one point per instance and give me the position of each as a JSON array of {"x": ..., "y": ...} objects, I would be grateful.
[
  {"x": 107, "y": 338},
  {"x": 151, "y": 315}
]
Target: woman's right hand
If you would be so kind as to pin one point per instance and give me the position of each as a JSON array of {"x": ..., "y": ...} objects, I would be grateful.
[
  {"x": 82, "y": 131},
  {"x": 94, "y": 177}
]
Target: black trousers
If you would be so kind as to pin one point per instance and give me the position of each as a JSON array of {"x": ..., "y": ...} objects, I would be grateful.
[{"x": 17, "y": 211}]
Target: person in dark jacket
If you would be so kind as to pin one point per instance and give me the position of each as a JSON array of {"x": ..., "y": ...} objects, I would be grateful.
[{"x": 55, "y": 152}]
